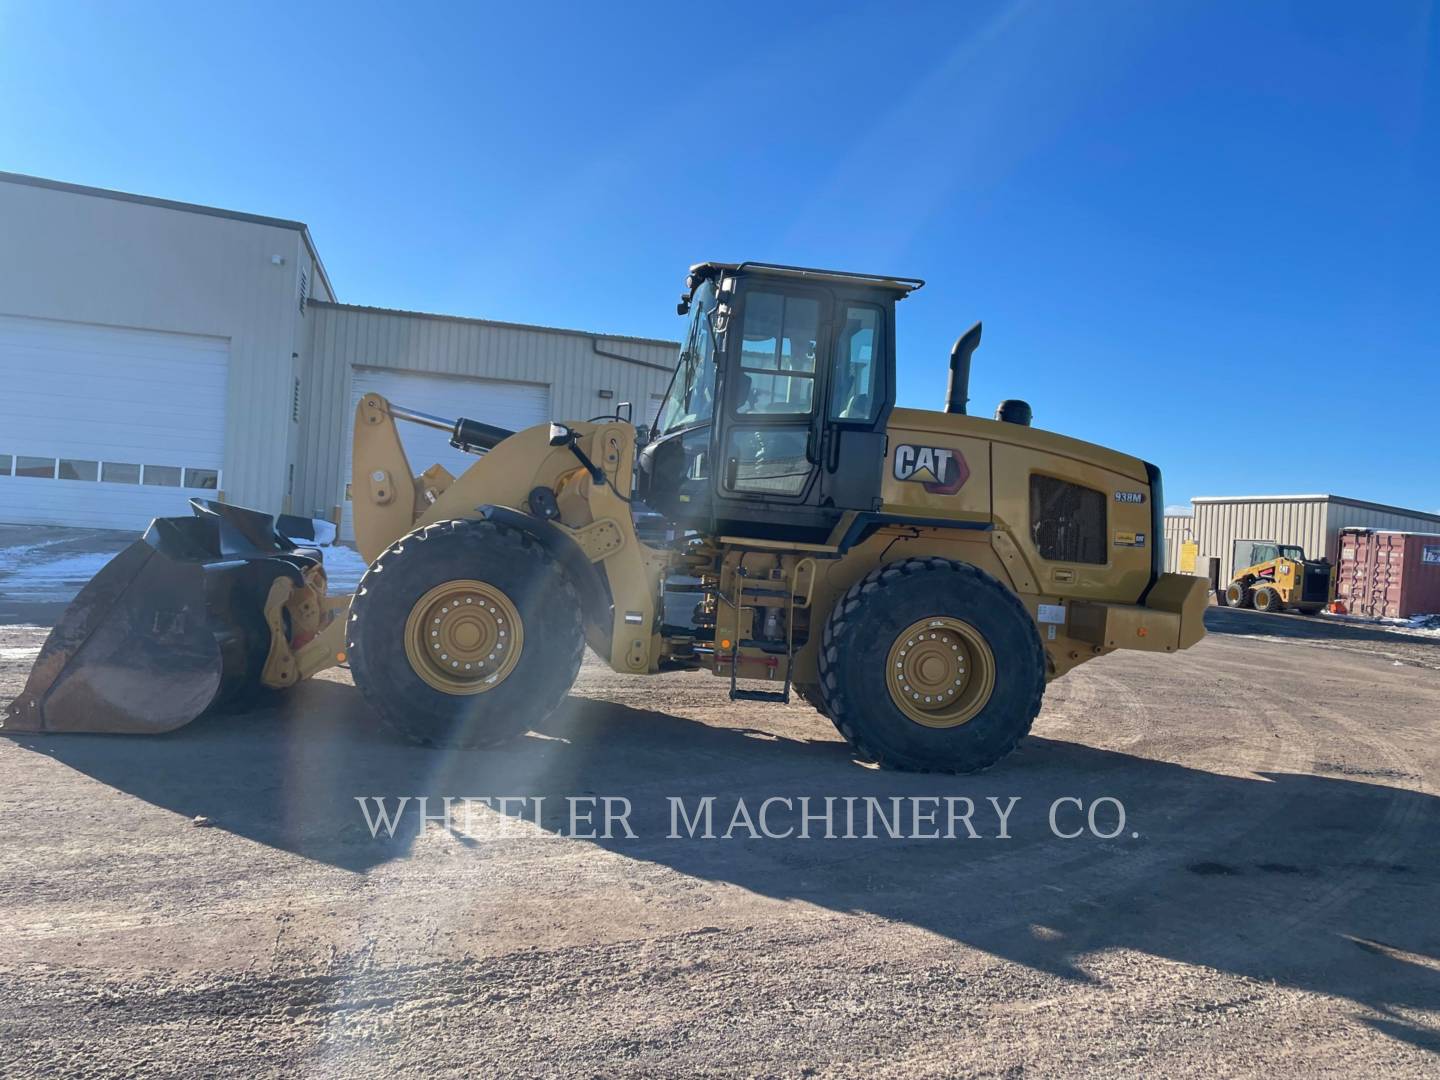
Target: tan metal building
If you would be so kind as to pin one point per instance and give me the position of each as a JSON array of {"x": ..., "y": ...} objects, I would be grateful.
[
  {"x": 153, "y": 351},
  {"x": 1312, "y": 521}
]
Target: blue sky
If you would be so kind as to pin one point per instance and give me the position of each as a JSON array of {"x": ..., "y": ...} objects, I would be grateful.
[{"x": 1205, "y": 233}]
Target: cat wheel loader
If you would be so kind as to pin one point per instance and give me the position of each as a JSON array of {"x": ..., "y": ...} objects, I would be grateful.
[
  {"x": 1271, "y": 576},
  {"x": 918, "y": 577}
]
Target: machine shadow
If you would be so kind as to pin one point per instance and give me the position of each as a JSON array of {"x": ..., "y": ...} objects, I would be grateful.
[
  {"x": 1220, "y": 620},
  {"x": 1326, "y": 884}
]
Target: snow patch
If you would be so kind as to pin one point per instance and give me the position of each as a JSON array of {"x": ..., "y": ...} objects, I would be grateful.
[
  {"x": 48, "y": 581},
  {"x": 1425, "y": 625},
  {"x": 344, "y": 567},
  {"x": 27, "y": 576},
  {"x": 13, "y": 557}
]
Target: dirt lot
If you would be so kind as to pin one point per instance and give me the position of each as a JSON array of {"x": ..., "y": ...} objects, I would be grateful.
[{"x": 1270, "y": 904}]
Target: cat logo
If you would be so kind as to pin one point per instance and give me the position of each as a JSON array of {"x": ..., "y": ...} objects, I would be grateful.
[{"x": 941, "y": 470}]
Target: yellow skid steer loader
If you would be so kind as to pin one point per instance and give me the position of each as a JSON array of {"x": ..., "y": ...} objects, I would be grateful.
[{"x": 918, "y": 577}]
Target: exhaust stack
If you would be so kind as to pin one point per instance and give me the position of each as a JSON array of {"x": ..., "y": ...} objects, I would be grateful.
[{"x": 959, "y": 390}]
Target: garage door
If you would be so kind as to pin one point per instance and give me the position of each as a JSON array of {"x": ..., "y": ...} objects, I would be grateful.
[
  {"x": 104, "y": 427},
  {"x": 505, "y": 404}
]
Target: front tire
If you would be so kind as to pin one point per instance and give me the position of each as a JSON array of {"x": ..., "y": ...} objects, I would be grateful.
[
  {"x": 1267, "y": 599},
  {"x": 929, "y": 665},
  {"x": 464, "y": 633},
  {"x": 810, "y": 695},
  {"x": 1238, "y": 595}
]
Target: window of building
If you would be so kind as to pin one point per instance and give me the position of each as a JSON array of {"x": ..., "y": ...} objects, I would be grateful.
[
  {"x": 1067, "y": 521},
  {"x": 117, "y": 472},
  {"x": 208, "y": 479},
  {"x": 6, "y": 464},
  {"x": 161, "y": 476},
  {"x": 40, "y": 467},
  {"x": 71, "y": 469}
]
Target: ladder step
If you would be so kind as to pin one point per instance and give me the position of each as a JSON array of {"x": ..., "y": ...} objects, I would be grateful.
[{"x": 782, "y": 696}]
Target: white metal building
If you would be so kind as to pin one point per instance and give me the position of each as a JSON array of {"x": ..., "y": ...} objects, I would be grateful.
[
  {"x": 1312, "y": 521},
  {"x": 152, "y": 351}
]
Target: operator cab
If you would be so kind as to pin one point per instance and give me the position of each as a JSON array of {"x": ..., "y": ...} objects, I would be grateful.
[
  {"x": 1257, "y": 552},
  {"x": 774, "y": 423}
]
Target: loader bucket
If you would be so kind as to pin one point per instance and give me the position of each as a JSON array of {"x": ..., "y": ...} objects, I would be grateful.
[{"x": 172, "y": 625}]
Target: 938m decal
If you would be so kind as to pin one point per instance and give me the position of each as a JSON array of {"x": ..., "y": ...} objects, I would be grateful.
[{"x": 941, "y": 470}]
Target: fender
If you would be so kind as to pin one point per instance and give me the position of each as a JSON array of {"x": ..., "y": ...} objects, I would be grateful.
[{"x": 587, "y": 577}]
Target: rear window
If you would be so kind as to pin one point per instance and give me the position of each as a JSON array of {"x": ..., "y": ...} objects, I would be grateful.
[{"x": 1067, "y": 521}]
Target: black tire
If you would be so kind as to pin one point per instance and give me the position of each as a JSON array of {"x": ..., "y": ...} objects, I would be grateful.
[
  {"x": 865, "y": 624},
  {"x": 507, "y": 559},
  {"x": 812, "y": 696},
  {"x": 1238, "y": 595},
  {"x": 1266, "y": 598},
  {"x": 1310, "y": 609}
]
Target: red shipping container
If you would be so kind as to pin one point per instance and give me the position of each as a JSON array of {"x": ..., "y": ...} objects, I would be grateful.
[{"x": 1389, "y": 574}]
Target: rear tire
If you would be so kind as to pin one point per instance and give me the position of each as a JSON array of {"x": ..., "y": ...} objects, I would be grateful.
[
  {"x": 1238, "y": 595},
  {"x": 471, "y": 561},
  {"x": 1001, "y": 678}
]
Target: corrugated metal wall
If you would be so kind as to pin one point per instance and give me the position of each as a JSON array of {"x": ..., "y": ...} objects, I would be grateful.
[
  {"x": 1345, "y": 514},
  {"x": 343, "y": 336},
  {"x": 1313, "y": 522},
  {"x": 1178, "y": 529},
  {"x": 1218, "y": 524}
]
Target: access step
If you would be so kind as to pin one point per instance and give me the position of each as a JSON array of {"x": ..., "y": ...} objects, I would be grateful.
[{"x": 782, "y": 696}]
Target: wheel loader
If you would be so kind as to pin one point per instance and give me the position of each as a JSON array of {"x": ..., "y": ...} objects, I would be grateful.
[
  {"x": 917, "y": 577},
  {"x": 1270, "y": 576}
]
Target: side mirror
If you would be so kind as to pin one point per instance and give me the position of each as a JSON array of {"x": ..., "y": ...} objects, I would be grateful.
[
  {"x": 642, "y": 436},
  {"x": 624, "y": 411},
  {"x": 560, "y": 435}
]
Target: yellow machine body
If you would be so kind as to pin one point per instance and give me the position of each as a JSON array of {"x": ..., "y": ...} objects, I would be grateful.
[{"x": 1083, "y": 609}]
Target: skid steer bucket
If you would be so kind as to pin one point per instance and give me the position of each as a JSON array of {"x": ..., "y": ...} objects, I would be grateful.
[{"x": 174, "y": 624}]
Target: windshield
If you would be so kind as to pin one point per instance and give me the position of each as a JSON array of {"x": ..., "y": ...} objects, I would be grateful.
[{"x": 691, "y": 398}]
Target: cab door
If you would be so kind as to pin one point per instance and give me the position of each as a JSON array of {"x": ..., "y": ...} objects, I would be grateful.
[
  {"x": 769, "y": 438},
  {"x": 805, "y": 398}
]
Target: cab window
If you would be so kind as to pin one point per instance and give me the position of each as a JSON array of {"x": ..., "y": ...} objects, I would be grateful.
[
  {"x": 690, "y": 400},
  {"x": 777, "y": 354},
  {"x": 854, "y": 391}
]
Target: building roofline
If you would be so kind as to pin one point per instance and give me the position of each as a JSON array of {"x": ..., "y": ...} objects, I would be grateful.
[
  {"x": 171, "y": 204},
  {"x": 593, "y": 335},
  {"x": 1262, "y": 498},
  {"x": 1361, "y": 503}
]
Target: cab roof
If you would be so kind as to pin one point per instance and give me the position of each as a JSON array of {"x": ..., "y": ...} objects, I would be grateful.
[{"x": 903, "y": 286}]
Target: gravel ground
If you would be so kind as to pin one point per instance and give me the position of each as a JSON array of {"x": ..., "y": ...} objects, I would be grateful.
[{"x": 212, "y": 903}]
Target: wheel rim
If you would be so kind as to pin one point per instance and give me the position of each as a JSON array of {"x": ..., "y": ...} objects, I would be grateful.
[
  {"x": 940, "y": 672},
  {"x": 464, "y": 637}
]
